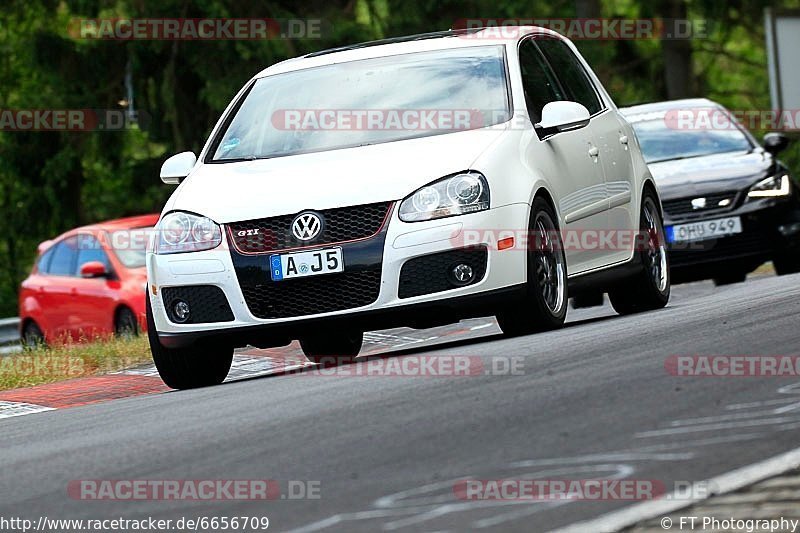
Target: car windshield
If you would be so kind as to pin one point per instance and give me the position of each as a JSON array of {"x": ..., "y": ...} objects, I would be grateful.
[
  {"x": 130, "y": 246},
  {"x": 662, "y": 140},
  {"x": 368, "y": 101}
]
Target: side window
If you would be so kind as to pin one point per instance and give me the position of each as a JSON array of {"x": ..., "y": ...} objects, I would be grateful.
[
  {"x": 540, "y": 85},
  {"x": 90, "y": 249},
  {"x": 571, "y": 73},
  {"x": 64, "y": 256},
  {"x": 43, "y": 264}
]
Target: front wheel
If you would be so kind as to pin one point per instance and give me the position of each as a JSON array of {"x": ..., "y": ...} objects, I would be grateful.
[
  {"x": 544, "y": 306},
  {"x": 202, "y": 364},
  {"x": 649, "y": 289},
  {"x": 125, "y": 323}
]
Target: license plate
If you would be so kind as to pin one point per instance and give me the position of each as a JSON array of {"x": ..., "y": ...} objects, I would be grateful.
[
  {"x": 704, "y": 230},
  {"x": 302, "y": 264}
]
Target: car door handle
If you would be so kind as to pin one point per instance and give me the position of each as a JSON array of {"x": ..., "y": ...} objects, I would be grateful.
[
  {"x": 594, "y": 151},
  {"x": 623, "y": 139}
]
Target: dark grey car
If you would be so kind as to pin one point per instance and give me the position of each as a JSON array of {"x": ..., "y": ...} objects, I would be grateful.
[{"x": 730, "y": 204}]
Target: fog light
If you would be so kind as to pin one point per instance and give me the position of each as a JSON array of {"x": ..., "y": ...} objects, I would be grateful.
[
  {"x": 181, "y": 311},
  {"x": 462, "y": 274}
]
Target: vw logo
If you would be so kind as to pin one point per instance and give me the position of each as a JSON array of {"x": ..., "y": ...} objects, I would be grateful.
[{"x": 306, "y": 226}]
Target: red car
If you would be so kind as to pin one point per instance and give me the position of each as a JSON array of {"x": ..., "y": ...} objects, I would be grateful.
[{"x": 88, "y": 282}]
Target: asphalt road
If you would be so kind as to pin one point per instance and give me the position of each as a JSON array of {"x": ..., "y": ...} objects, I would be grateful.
[{"x": 591, "y": 400}]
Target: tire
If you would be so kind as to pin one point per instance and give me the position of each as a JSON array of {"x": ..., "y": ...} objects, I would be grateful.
[
  {"x": 200, "y": 365},
  {"x": 32, "y": 336},
  {"x": 786, "y": 264},
  {"x": 588, "y": 299},
  {"x": 125, "y": 323},
  {"x": 544, "y": 306},
  {"x": 730, "y": 278},
  {"x": 648, "y": 289},
  {"x": 334, "y": 348}
]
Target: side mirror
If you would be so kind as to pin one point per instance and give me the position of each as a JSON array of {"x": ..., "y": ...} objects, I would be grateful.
[
  {"x": 563, "y": 116},
  {"x": 177, "y": 167},
  {"x": 775, "y": 143},
  {"x": 93, "y": 269}
]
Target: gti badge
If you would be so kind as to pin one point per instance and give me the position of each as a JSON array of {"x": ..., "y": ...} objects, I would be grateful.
[
  {"x": 248, "y": 232},
  {"x": 306, "y": 226},
  {"x": 699, "y": 203}
]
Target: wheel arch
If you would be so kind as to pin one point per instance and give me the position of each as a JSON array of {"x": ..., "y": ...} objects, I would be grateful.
[
  {"x": 118, "y": 309},
  {"x": 648, "y": 185},
  {"x": 545, "y": 195}
]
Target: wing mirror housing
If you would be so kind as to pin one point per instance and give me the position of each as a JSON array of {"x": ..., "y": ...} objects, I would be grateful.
[
  {"x": 177, "y": 167},
  {"x": 94, "y": 269},
  {"x": 562, "y": 116},
  {"x": 775, "y": 142}
]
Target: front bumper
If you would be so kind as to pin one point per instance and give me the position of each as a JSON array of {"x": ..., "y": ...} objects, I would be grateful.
[
  {"x": 399, "y": 242},
  {"x": 769, "y": 227}
]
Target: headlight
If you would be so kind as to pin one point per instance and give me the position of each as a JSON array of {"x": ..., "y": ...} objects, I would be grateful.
[
  {"x": 459, "y": 194},
  {"x": 771, "y": 187},
  {"x": 184, "y": 232}
]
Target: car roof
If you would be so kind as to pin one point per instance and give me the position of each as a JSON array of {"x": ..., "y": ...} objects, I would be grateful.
[
  {"x": 423, "y": 42},
  {"x": 668, "y": 105},
  {"x": 139, "y": 221}
]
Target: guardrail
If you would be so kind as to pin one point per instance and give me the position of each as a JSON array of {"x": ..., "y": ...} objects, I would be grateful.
[{"x": 9, "y": 331}]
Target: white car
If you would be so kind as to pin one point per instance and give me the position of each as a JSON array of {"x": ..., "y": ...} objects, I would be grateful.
[{"x": 412, "y": 182}]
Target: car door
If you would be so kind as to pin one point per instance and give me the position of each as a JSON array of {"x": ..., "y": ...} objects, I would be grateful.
[
  {"x": 570, "y": 159},
  {"x": 612, "y": 135},
  {"x": 93, "y": 299},
  {"x": 57, "y": 292}
]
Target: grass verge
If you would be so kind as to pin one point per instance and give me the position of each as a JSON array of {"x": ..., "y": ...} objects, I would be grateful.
[{"x": 49, "y": 364}]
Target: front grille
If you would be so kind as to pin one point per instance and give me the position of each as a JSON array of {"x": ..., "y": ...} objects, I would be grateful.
[
  {"x": 733, "y": 247},
  {"x": 207, "y": 303},
  {"x": 431, "y": 273},
  {"x": 682, "y": 207},
  {"x": 340, "y": 225},
  {"x": 313, "y": 295}
]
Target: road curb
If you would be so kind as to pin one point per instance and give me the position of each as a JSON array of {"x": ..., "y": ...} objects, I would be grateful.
[{"x": 724, "y": 484}]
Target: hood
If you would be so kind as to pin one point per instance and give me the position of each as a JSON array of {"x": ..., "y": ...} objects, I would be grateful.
[
  {"x": 230, "y": 192},
  {"x": 710, "y": 174}
]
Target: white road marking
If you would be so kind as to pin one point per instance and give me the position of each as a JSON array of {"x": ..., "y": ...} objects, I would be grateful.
[
  {"x": 9, "y": 409},
  {"x": 725, "y": 483},
  {"x": 751, "y": 405},
  {"x": 715, "y": 427}
]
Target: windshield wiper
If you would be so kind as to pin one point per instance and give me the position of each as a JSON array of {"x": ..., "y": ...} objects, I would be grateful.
[{"x": 239, "y": 159}]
